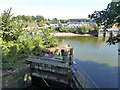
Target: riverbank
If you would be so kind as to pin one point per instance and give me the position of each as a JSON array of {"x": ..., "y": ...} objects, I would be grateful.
[
  {"x": 17, "y": 70},
  {"x": 69, "y": 34}
]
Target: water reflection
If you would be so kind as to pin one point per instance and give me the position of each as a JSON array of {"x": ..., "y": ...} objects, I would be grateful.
[
  {"x": 93, "y": 42},
  {"x": 102, "y": 74},
  {"x": 97, "y": 58}
]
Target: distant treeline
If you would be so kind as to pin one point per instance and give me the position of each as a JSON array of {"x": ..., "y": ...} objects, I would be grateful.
[{"x": 39, "y": 18}]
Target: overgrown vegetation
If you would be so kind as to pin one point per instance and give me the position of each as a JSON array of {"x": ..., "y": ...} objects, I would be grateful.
[
  {"x": 16, "y": 41},
  {"x": 48, "y": 40}
]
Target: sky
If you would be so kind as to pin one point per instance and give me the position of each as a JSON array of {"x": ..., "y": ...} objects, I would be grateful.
[{"x": 61, "y": 9}]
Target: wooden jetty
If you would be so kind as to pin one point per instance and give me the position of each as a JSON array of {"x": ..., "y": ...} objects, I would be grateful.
[{"x": 59, "y": 70}]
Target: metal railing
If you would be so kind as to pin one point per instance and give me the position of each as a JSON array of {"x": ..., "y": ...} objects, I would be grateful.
[{"x": 85, "y": 80}]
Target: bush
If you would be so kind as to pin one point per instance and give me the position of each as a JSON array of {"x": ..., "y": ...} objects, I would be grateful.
[
  {"x": 84, "y": 28},
  {"x": 13, "y": 47},
  {"x": 47, "y": 39}
]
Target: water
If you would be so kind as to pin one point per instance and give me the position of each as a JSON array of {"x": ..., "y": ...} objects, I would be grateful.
[
  {"x": 98, "y": 59},
  {"x": 16, "y": 80}
]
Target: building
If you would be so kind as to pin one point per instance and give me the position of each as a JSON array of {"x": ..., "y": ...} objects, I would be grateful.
[
  {"x": 79, "y": 21},
  {"x": 54, "y": 25}
]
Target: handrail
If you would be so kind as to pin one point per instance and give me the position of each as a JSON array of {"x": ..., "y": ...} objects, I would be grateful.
[{"x": 86, "y": 80}]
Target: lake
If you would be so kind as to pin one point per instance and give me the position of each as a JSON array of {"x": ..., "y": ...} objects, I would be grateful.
[{"x": 98, "y": 59}]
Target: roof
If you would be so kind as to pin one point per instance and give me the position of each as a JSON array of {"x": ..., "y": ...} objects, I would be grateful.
[{"x": 80, "y": 19}]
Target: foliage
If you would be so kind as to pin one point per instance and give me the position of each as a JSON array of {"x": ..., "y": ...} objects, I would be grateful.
[
  {"x": 109, "y": 17},
  {"x": 84, "y": 28},
  {"x": 48, "y": 39},
  {"x": 39, "y": 18},
  {"x": 10, "y": 29},
  {"x": 16, "y": 41},
  {"x": 59, "y": 27},
  {"x": 64, "y": 21},
  {"x": 113, "y": 40},
  {"x": 48, "y": 23},
  {"x": 96, "y": 28},
  {"x": 40, "y": 24}
]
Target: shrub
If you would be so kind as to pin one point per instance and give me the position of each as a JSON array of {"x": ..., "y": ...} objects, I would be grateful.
[{"x": 47, "y": 39}]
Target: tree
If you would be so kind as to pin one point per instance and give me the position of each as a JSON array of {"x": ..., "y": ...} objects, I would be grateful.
[
  {"x": 55, "y": 20},
  {"x": 33, "y": 18},
  {"x": 108, "y": 17},
  {"x": 40, "y": 24},
  {"x": 48, "y": 23},
  {"x": 48, "y": 40},
  {"x": 64, "y": 21},
  {"x": 59, "y": 26},
  {"x": 10, "y": 29},
  {"x": 84, "y": 28},
  {"x": 96, "y": 28},
  {"x": 49, "y": 19},
  {"x": 40, "y": 18}
]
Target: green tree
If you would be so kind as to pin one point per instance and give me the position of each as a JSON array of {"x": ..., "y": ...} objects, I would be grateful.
[
  {"x": 11, "y": 29},
  {"x": 55, "y": 20},
  {"x": 96, "y": 28},
  {"x": 84, "y": 28},
  {"x": 48, "y": 23},
  {"x": 40, "y": 18},
  {"x": 59, "y": 26},
  {"x": 40, "y": 24},
  {"x": 48, "y": 39},
  {"x": 64, "y": 21},
  {"x": 108, "y": 17}
]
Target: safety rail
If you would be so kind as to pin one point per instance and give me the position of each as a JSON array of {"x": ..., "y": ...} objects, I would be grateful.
[{"x": 84, "y": 79}]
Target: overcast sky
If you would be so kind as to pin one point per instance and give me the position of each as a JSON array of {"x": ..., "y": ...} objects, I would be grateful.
[{"x": 61, "y": 9}]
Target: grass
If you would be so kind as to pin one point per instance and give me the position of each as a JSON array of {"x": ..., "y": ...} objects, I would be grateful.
[
  {"x": 19, "y": 64},
  {"x": 10, "y": 66}
]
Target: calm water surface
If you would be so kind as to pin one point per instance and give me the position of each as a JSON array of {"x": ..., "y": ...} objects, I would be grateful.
[{"x": 98, "y": 59}]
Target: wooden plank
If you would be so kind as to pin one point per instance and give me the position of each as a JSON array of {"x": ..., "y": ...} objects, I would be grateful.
[
  {"x": 52, "y": 70},
  {"x": 34, "y": 60}
]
